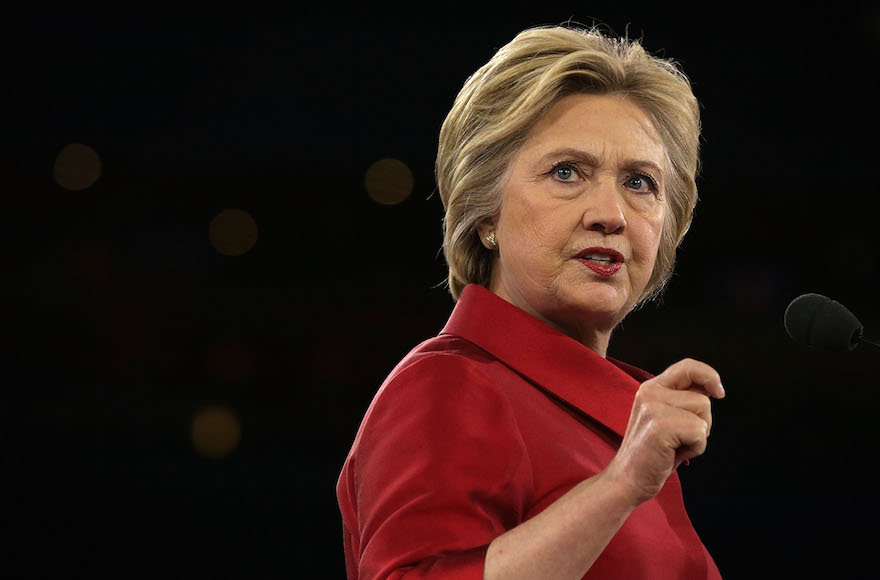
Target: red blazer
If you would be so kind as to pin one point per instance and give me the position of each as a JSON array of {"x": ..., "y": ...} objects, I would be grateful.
[{"x": 484, "y": 426}]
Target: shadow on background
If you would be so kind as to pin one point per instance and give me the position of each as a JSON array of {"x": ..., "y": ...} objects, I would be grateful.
[{"x": 221, "y": 233}]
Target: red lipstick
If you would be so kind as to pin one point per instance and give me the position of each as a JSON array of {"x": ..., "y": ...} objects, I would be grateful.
[{"x": 603, "y": 261}]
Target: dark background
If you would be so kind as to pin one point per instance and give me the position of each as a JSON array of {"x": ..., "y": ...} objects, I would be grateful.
[{"x": 122, "y": 321}]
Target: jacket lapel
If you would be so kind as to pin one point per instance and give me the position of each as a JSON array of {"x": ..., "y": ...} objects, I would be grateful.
[{"x": 601, "y": 388}]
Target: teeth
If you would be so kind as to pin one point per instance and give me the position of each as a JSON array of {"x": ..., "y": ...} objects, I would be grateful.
[{"x": 598, "y": 258}]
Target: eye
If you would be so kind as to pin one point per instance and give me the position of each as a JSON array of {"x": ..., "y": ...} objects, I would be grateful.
[
  {"x": 642, "y": 183},
  {"x": 565, "y": 171}
]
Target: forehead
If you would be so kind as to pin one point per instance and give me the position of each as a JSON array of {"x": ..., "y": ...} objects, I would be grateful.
[{"x": 598, "y": 124}]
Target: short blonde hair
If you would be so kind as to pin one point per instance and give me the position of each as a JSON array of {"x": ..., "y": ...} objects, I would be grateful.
[{"x": 501, "y": 102}]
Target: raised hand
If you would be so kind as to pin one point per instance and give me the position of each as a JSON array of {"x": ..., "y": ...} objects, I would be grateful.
[{"x": 670, "y": 422}]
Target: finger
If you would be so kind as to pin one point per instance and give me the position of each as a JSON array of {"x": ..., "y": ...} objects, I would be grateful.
[
  {"x": 691, "y": 435},
  {"x": 690, "y": 374},
  {"x": 695, "y": 402}
]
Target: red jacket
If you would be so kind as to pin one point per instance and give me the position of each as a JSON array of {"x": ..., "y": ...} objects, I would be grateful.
[{"x": 480, "y": 429}]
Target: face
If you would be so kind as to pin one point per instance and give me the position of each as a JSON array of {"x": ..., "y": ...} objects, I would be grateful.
[{"x": 581, "y": 216}]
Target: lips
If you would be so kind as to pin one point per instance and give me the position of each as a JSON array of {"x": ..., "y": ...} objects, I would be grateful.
[
  {"x": 603, "y": 261},
  {"x": 606, "y": 255}
]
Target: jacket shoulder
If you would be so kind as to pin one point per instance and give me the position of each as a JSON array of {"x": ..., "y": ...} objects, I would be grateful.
[
  {"x": 442, "y": 386},
  {"x": 445, "y": 350}
]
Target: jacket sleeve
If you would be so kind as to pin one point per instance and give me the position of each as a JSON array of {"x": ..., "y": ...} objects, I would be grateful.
[{"x": 441, "y": 470}]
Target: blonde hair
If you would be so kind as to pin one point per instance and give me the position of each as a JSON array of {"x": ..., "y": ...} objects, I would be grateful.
[{"x": 500, "y": 103}]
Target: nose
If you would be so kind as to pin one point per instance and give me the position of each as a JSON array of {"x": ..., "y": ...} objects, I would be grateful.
[{"x": 605, "y": 210}]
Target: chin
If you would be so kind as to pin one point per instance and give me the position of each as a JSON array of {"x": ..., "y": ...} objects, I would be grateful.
[
  {"x": 600, "y": 317},
  {"x": 596, "y": 311},
  {"x": 600, "y": 297}
]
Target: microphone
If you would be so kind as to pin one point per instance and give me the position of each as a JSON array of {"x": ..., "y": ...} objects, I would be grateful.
[{"x": 814, "y": 320}]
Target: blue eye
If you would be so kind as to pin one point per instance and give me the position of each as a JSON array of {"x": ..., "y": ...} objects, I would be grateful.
[
  {"x": 636, "y": 182},
  {"x": 643, "y": 183},
  {"x": 564, "y": 173}
]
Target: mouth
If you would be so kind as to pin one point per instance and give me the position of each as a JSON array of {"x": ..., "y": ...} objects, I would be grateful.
[
  {"x": 601, "y": 255},
  {"x": 603, "y": 261}
]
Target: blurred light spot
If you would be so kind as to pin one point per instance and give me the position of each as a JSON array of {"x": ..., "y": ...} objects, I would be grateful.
[
  {"x": 389, "y": 181},
  {"x": 215, "y": 431},
  {"x": 77, "y": 167},
  {"x": 228, "y": 361},
  {"x": 233, "y": 232}
]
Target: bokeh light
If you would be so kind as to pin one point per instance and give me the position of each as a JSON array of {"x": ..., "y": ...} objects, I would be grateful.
[
  {"x": 216, "y": 431},
  {"x": 233, "y": 232},
  {"x": 389, "y": 181},
  {"x": 77, "y": 167}
]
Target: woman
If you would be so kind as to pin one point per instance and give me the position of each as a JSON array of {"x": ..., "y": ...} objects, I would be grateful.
[{"x": 510, "y": 446}]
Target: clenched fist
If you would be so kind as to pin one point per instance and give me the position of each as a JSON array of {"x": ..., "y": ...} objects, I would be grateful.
[{"x": 670, "y": 422}]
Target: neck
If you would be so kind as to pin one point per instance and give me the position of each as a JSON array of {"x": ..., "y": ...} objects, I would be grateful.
[
  {"x": 594, "y": 337},
  {"x": 591, "y": 337}
]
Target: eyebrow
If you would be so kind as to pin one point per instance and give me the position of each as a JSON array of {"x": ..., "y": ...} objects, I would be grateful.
[{"x": 589, "y": 159}]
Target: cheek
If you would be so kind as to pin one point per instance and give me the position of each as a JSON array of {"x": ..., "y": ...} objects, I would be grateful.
[
  {"x": 533, "y": 226},
  {"x": 535, "y": 235},
  {"x": 648, "y": 237},
  {"x": 524, "y": 245}
]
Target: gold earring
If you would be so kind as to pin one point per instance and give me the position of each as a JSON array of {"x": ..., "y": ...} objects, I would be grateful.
[{"x": 490, "y": 237}]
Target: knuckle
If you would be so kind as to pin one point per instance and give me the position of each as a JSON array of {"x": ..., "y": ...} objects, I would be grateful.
[
  {"x": 661, "y": 423},
  {"x": 647, "y": 392},
  {"x": 695, "y": 431},
  {"x": 705, "y": 403},
  {"x": 678, "y": 366},
  {"x": 688, "y": 364},
  {"x": 653, "y": 409}
]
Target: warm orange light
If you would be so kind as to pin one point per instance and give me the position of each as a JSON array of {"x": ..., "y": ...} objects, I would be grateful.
[
  {"x": 77, "y": 167},
  {"x": 216, "y": 431},
  {"x": 389, "y": 181},
  {"x": 233, "y": 232}
]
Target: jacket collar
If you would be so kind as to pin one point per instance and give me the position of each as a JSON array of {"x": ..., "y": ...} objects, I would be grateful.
[{"x": 598, "y": 387}]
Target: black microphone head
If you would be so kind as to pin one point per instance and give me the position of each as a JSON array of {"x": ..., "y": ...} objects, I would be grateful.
[{"x": 814, "y": 320}]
